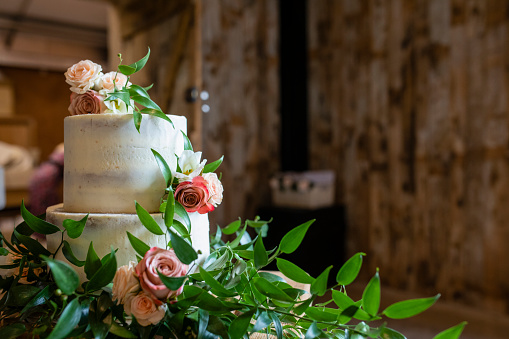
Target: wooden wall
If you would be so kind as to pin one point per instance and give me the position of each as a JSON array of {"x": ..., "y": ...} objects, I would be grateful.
[{"x": 409, "y": 104}]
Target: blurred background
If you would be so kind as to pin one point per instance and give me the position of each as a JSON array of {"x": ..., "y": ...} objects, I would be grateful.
[{"x": 394, "y": 115}]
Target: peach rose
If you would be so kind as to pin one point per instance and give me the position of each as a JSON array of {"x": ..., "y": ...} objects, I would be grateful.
[
  {"x": 125, "y": 283},
  {"x": 214, "y": 187},
  {"x": 82, "y": 76},
  {"x": 108, "y": 79},
  {"x": 164, "y": 261},
  {"x": 144, "y": 309},
  {"x": 194, "y": 195},
  {"x": 89, "y": 102}
]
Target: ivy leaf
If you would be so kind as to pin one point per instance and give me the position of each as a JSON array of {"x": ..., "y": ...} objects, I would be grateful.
[
  {"x": 409, "y": 308},
  {"x": 147, "y": 220},
  {"x": 313, "y": 331},
  {"x": 260, "y": 254},
  {"x": 213, "y": 165},
  {"x": 105, "y": 274},
  {"x": 371, "y": 296},
  {"x": 31, "y": 244},
  {"x": 69, "y": 255},
  {"x": 187, "y": 143},
  {"x": 268, "y": 289},
  {"x": 75, "y": 228},
  {"x": 239, "y": 325},
  {"x": 12, "y": 331},
  {"x": 293, "y": 238},
  {"x": 451, "y": 333},
  {"x": 294, "y": 272},
  {"x": 92, "y": 261},
  {"x": 139, "y": 246},
  {"x": 350, "y": 269},
  {"x": 169, "y": 211},
  {"x": 68, "y": 320},
  {"x": 36, "y": 224},
  {"x": 173, "y": 283},
  {"x": 163, "y": 166},
  {"x": 232, "y": 227},
  {"x": 182, "y": 213},
  {"x": 183, "y": 249},
  {"x": 319, "y": 286},
  {"x": 66, "y": 278}
]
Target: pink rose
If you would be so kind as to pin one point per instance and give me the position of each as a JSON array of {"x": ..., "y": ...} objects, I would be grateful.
[
  {"x": 144, "y": 309},
  {"x": 82, "y": 76},
  {"x": 108, "y": 79},
  {"x": 164, "y": 261},
  {"x": 215, "y": 188},
  {"x": 89, "y": 102},
  {"x": 194, "y": 195},
  {"x": 125, "y": 283}
]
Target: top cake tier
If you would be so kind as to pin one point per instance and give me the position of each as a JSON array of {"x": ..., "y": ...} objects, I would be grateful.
[{"x": 108, "y": 165}]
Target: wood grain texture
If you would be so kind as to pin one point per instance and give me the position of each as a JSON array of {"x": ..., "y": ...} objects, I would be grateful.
[{"x": 408, "y": 103}]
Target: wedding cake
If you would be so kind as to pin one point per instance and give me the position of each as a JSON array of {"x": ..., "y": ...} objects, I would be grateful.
[{"x": 110, "y": 168}]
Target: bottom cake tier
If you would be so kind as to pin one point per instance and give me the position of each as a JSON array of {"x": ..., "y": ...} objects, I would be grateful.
[{"x": 106, "y": 230}]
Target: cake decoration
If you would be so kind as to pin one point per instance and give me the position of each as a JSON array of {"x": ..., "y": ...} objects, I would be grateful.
[{"x": 129, "y": 254}]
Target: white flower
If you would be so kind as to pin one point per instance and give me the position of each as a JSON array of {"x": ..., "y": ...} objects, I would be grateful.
[
  {"x": 108, "y": 79},
  {"x": 118, "y": 106},
  {"x": 189, "y": 163},
  {"x": 214, "y": 187}
]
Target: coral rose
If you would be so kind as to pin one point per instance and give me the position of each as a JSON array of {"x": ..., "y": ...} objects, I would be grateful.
[
  {"x": 83, "y": 75},
  {"x": 89, "y": 102},
  {"x": 108, "y": 79},
  {"x": 194, "y": 195},
  {"x": 144, "y": 309},
  {"x": 167, "y": 263},
  {"x": 125, "y": 283},
  {"x": 214, "y": 187}
]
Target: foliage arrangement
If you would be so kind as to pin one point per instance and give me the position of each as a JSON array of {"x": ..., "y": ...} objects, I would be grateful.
[{"x": 166, "y": 294}]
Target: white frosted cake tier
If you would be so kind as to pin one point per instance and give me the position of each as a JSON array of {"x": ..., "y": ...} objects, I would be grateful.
[
  {"x": 107, "y": 230},
  {"x": 108, "y": 165}
]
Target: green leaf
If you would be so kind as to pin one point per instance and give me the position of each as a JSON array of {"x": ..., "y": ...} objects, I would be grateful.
[
  {"x": 323, "y": 313},
  {"x": 12, "y": 331},
  {"x": 41, "y": 298},
  {"x": 122, "y": 95},
  {"x": 66, "y": 278},
  {"x": 213, "y": 165},
  {"x": 20, "y": 295},
  {"x": 239, "y": 325},
  {"x": 169, "y": 211},
  {"x": 137, "y": 120},
  {"x": 350, "y": 269},
  {"x": 105, "y": 274},
  {"x": 181, "y": 229},
  {"x": 260, "y": 254},
  {"x": 147, "y": 220},
  {"x": 277, "y": 325},
  {"x": 139, "y": 246},
  {"x": 293, "y": 238},
  {"x": 158, "y": 113},
  {"x": 173, "y": 283},
  {"x": 319, "y": 286},
  {"x": 187, "y": 143},
  {"x": 126, "y": 70},
  {"x": 203, "y": 317},
  {"x": 75, "y": 228},
  {"x": 262, "y": 322},
  {"x": 389, "y": 333},
  {"x": 138, "y": 65},
  {"x": 183, "y": 249},
  {"x": 268, "y": 289},
  {"x": 294, "y": 272},
  {"x": 4, "y": 251},
  {"x": 69, "y": 255},
  {"x": 137, "y": 90},
  {"x": 313, "y": 331},
  {"x": 342, "y": 300},
  {"x": 31, "y": 244},
  {"x": 146, "y": 101},
  {"x": 451, "y": 333},
  {"x": 215, "y": 286},
  {"x": 409, "y": 308},
  {"x": 36, "y": 224},
  {"x": 68, "y": 320},
  {"x": 163, "y": 166},
  {"x": 120, "y": 331},
  {"x": 232, "y": 227},
  {"x": 92, "y": 261},
  {"x": 371, "y": 296},
  {"x": 182, "y": 213}
]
